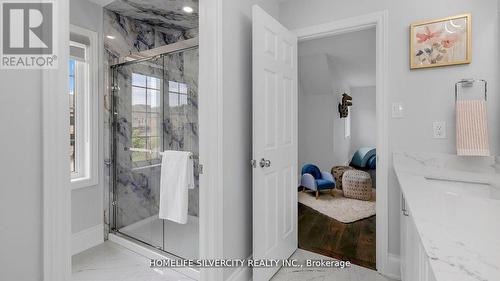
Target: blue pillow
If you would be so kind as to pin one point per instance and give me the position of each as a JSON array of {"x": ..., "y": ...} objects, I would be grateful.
[
  {"x": 372, "y": 162},
  {"x": 362, "y": 155}
]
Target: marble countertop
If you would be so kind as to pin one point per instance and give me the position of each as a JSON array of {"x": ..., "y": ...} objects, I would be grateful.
[{"x": 455, "y": 204}]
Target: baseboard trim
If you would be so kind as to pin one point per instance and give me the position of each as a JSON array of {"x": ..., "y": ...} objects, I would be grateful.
[
  {"x": 393, "y": 269},
  {"x": 241, "y": 273},
  {"x": 87, "y": 239}
]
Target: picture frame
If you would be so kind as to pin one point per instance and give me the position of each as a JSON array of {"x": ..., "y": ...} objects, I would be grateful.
[{"x": 441, "y": 42}]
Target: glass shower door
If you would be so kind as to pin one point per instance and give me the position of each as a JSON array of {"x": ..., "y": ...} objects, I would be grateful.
[
  {"x": 156, "y": 109},
  {"x": 138, "y": 139},
  {"x": 181, "y": 133}
]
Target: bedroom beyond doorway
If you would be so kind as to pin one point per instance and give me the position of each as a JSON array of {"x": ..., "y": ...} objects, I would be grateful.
[{"x": 337, "y": 146}]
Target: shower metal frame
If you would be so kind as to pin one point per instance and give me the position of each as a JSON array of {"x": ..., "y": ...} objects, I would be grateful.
[{"x": 113, "y": 205}]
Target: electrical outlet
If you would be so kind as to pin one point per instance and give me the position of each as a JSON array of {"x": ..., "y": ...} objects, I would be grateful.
[
  {"x": 397, "y": 110},
  {"x": 439, "y": 129}
]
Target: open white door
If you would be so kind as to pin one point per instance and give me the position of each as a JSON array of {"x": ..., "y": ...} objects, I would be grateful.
[{"x": 274, "y": 141}]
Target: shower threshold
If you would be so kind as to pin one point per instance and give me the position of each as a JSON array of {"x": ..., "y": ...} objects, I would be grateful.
[{"x": 150, "y": 252}]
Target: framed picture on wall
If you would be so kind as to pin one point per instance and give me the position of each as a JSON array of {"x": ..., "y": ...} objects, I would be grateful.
[{"x": 440, "y": 42}]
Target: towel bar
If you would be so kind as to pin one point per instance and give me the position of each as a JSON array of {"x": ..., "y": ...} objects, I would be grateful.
[
  {"x": 157, "y": 165},
  {"x": 192, "y": 156},
  {"x": 469, "y": 83}
]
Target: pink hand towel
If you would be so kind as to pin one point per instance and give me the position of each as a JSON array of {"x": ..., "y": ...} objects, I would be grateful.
[{"x": 472, "y": 128}]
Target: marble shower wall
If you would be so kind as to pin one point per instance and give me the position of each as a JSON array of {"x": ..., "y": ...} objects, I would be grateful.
[
  {"x": 130, "y": 35},
  {"x": 138, "y": 25}
]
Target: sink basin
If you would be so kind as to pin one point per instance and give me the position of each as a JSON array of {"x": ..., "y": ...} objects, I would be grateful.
[{"x": 475, "y": 189}]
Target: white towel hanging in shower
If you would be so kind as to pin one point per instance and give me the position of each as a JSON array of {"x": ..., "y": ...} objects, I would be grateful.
[{"x": 177, "y": 177}]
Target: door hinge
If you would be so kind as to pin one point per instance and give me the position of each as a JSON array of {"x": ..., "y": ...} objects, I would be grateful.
[
  {"x": 253, "y": 163},
  {"x": 107, "y": 162},
  {"x": 200, "y": 169},
  {"x": 114, "y": 203}
]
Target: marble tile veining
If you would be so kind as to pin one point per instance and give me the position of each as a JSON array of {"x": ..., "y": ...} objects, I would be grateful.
[
  {"x": 167, "y": 14},
  {"x": 136, "y": 25},
  {"x": 112, "y": 262},
  {"x": 454, "y": 203},
  {"x": 352, "y": 273}
]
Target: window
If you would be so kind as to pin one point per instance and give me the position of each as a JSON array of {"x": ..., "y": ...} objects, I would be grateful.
[
  {"x": 83, "y": 106},
  {"x": 177, "y": 94},
  {"x": 146, "y": 117},
  {"x": 178, "y": 100},
  {"x": 72, "y": 139},
  {"x": 347, "y": 124}
]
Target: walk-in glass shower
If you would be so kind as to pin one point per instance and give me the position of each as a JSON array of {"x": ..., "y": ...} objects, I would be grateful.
[{"x": 155, "y": 106}]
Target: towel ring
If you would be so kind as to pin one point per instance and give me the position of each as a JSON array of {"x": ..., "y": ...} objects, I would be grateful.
[{"x": 469, "y": 83}]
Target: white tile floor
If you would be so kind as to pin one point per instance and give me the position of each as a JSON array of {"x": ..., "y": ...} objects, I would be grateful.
[
  {"x": 178, "y": 239},
  {"x": 112, "y": 262},
  {"x": 353, "y": 273}
]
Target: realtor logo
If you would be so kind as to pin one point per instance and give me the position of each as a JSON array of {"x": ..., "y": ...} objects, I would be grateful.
[{"x": 27, "y": 35}]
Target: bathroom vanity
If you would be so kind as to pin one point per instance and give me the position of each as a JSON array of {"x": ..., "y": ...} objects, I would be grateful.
[{"x": 450, "y": 217}]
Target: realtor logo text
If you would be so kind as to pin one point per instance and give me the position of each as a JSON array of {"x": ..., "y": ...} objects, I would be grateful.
[{"x": 27, "y": 35}]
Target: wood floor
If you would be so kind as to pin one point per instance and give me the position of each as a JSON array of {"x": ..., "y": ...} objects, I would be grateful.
[{"x": 324, "y": 235}]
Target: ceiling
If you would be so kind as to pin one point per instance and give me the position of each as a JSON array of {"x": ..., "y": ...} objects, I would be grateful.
[
  {"x": 347, "y": 59},
  {"x": 166, "y": 14}
]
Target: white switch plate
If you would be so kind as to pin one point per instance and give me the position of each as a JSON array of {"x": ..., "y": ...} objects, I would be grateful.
[
  {"x": 439, "y": 129},
  {"x": 397, "y": 110}
]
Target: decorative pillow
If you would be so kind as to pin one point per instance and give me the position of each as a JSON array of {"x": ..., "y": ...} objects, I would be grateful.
[{"x": 362, "y": 155}]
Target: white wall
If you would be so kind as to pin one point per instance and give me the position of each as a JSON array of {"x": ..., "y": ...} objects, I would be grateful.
[
  {"x": 318, "y": 81},
  {"x": 237, "y": 125},
  {"x": 21, "y": 171},
  {"x": 427, "y": 94},
  {"x": 321, "y": 132},
  {"x": 86, "y": 207},
  {"x": 21, "y": 174},
  {"x": 316, "y": 130},
  {"x": 322, "y": 138},
  {"x": 363, "y": 118}
]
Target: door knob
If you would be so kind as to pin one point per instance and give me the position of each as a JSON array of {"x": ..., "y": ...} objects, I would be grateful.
[{"x": 265, "y": 163}]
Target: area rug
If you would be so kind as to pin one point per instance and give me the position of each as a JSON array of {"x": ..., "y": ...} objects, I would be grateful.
[{"x": 338, "y": 207}]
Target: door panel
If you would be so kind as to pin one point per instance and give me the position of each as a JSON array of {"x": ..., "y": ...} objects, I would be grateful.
[{"x": 274, "y": 141}]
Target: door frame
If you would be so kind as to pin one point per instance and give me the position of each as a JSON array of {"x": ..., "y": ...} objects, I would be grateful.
[
  {"x": 211, "y": 128},
  {"x": 386, "y": 264},
  {"x": 56, "y": 187}
]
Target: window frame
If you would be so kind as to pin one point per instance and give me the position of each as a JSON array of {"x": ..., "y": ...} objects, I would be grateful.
[
  {"x": 148, "y": 138},
  {"x": 347, "y": 124},
  {"x": 86, "y": 112},
  {"x": 178, "y": 93}
]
